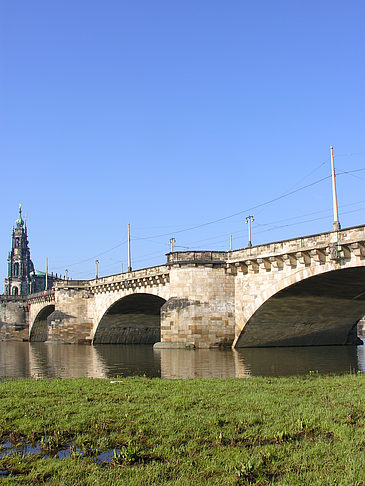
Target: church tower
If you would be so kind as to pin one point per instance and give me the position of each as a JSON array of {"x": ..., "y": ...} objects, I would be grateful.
[{"x": 20, "y": 266}]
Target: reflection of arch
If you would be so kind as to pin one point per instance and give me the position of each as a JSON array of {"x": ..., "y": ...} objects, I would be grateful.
[
  {"x": 15, "y": 291},
  {"x": 39, "y": 331},
  {"x": 134, "y": 319},
  {"x": 317, "y": 310}
]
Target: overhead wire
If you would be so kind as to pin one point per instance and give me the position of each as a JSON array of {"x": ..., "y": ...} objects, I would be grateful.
[
  {"x": 306, "y": 221},
  {"x": 266, "y": 230},
  {"x": 266, "y": 203},
  {"x": 270, "y": 201},
  {"x": 95, "y": 256},
  {"x": 224, "y": 218}
]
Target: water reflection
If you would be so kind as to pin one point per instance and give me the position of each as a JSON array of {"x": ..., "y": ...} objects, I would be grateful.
[
  {"x": 41, "y": 360},
  {"x": 202, "y": 363},
  {"x": 67, "y": 361},
  {"x": 299, "y": 360},
  {"x": 129, "y": 360}
]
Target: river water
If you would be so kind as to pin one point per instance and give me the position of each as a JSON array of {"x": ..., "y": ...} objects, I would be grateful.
[{"x": 42, "y": 360}]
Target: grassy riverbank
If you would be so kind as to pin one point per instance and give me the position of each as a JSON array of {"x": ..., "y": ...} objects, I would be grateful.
[{"x": 284, "y": 431}]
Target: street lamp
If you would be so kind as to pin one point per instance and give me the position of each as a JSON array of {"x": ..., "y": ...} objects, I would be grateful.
[
  {"x": 172, "y": 241},
  {"x": 96, "y": 268},
  {"x": 249, "y": 220},
  {"x": 336, "y": 222}
]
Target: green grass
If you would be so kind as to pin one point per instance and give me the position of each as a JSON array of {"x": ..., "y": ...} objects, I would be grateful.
[{"x": 282, "y": 431}]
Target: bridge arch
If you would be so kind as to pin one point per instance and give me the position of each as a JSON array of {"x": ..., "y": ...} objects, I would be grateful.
[
  {"x": 132, "y": 319},
  {"x": 39, "y": 329},
  {"x": 312, "y": 306}
]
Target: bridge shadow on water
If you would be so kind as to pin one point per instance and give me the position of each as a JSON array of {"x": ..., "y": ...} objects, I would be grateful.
[
  {"x": 41, "y": 360},
  {"x": 288, "y": 361}
]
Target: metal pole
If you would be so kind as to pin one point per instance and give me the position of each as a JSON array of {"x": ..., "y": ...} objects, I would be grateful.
[
  {"x": 336, "y": 222},
  {"x": 230, "y": 242},
  {"x": 129, "y": 248},
  {"x": 172, "y": 241},
  {"x": 122, "y": 268},
  {"x": 96, "y": 268},
  {"x": 46, "y": 282},
  {"x": 249, "y": 219}
]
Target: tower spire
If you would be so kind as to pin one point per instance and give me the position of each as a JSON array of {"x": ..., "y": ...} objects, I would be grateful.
[{"x": 19, "y": 221}]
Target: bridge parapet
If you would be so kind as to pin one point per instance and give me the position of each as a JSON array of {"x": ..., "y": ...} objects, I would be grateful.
[
  {"x": 71, "y": 284},
  {"x": 205, "y": 258},
  {"x": 39, "y": 297},
  {"x": 146, "y": 277},
  {"x": 12, "y": 298},
  {"x": 332, "y": 247}
]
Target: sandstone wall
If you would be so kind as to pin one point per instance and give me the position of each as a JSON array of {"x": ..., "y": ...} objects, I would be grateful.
[
  {"x": 200, "y": 311},
  {"x": 71, "y": 321},
  {"x": 13, "y": 320}
]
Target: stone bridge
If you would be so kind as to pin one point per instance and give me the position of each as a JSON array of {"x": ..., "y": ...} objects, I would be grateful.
[{"x": 303, "y": 291}]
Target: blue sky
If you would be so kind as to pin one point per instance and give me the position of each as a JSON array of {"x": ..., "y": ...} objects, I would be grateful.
[{"x": 173, "y": 114}]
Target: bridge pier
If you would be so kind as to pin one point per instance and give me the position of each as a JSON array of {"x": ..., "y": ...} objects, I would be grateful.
[
  {"x": 13, "y": 319},
  {"x": 200, "y": 311},
  {"x": 70, "y": 323}
]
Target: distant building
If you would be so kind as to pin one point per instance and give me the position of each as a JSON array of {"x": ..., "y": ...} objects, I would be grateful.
[{"x": 23, "y": 279}]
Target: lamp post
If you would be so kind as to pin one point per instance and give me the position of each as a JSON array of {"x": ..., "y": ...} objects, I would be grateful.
[
  {"x": 66, "y": 274},
  {"x": 96, "y": 268},
  {"x": 336, "y": 222},
  {"x": 46, "y": 280},
  {"x": 249, "y": 220},
  {"x": 129, "y": 248},
  {"x": 172, "y": 241}
]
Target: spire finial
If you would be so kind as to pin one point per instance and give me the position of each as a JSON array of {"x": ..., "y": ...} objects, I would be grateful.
[{"x": 19, "y": 221}]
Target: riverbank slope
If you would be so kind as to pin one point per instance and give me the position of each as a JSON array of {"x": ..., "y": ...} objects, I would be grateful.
[{"x": 282, "y": 431}]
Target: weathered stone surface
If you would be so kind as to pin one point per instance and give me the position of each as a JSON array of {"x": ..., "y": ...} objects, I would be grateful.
[
  {"x": 13, "y": 319},
  {"x": 257, "y": 312},
  {"x": 13, "y": 332},
  {"x": 198, "y": 311},
  {"x": 302, "y": 291},
  {"x": 173, "y": 346}
]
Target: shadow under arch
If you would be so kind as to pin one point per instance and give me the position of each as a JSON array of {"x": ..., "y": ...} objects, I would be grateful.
[
  {"x": 134, "y": 319},
  {"x": 319, "y": 310},
  {"x": 39, "y": 330}
]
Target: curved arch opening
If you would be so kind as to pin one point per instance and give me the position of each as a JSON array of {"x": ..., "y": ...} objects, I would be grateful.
[
  {"x": 319, "y": 310},
  {"x": 134, "y": 319},
  {"x": 39, "y": 331}
]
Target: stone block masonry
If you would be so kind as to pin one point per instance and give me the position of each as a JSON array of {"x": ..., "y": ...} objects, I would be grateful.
[
  {"x": 201, "y": 311},
  {"x": 303, "y": 291},
  {"x": 13, "y": 319}
]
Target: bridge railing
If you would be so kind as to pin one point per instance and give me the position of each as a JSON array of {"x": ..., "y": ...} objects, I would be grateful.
[
  {"x": 71, "y": 284},
  {"x": 12, "y": 298},
  {"x": 17, "y": 298},
  {"x": 305, "y": 243},
  {"x": 201, "y": 257},
  {"x": 133, "y": 275},
  {"x": 37, "y": 295}
]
